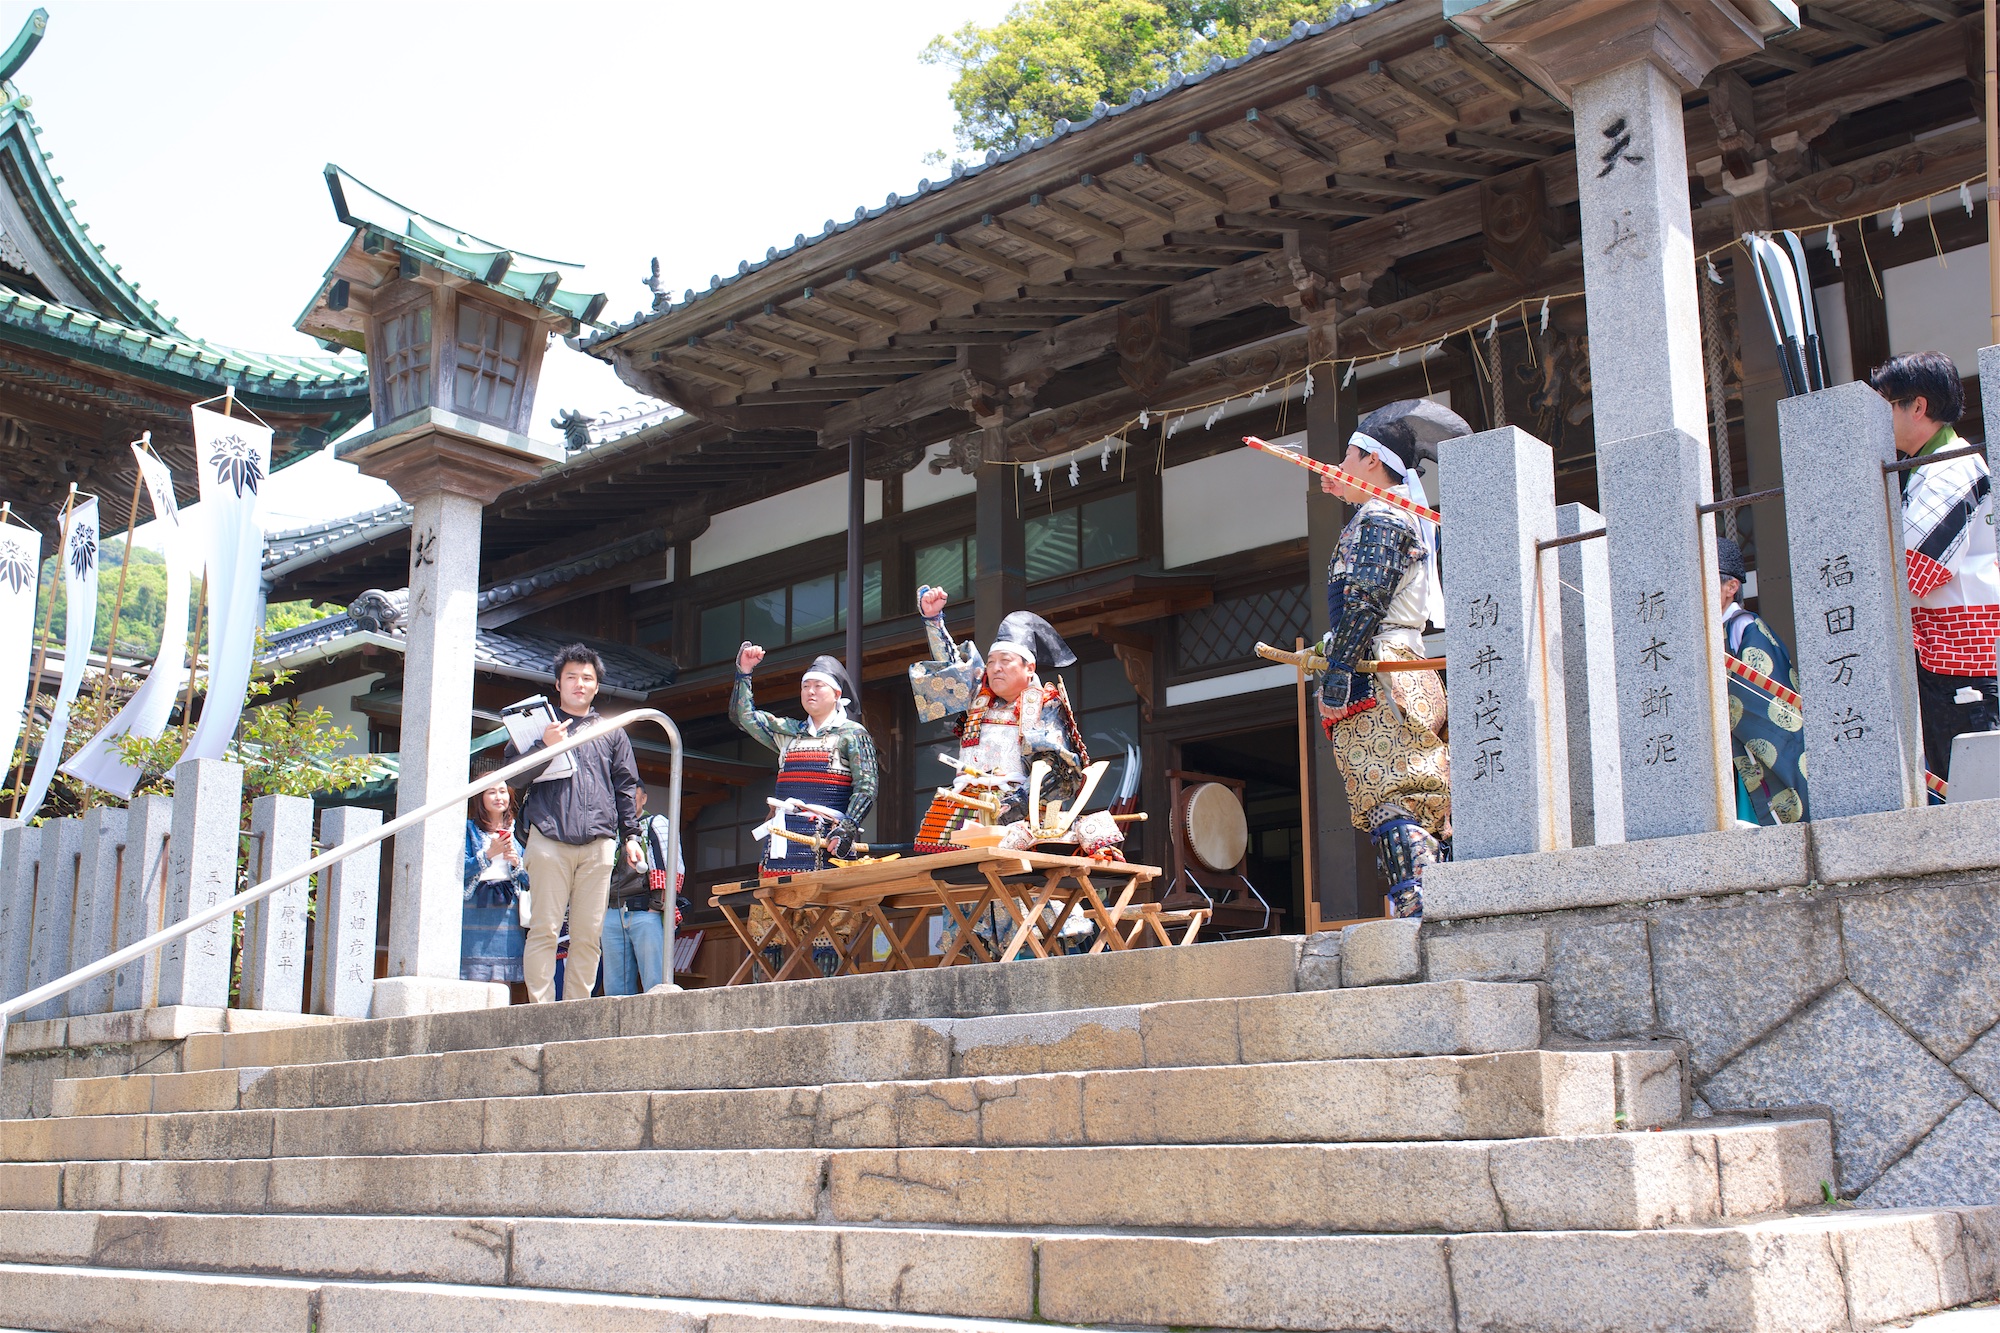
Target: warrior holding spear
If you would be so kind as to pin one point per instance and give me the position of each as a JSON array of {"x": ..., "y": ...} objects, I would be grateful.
[{"x": 1382, "y": 586}]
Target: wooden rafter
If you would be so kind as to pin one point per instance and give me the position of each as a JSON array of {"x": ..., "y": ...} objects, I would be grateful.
[
  {"x": 1029, "y": 236},
  {"x": 980, "y": 254},
  {"x": 826, "y": 328},
  {"x": 1076, "y": 217},
  {"x": 849, "y": 306},
  {"x": 1193, "y": 184},
  {"x": 895, "y": 292},
  {"x": 1159, "y": 213},
  {"x": 1239, "y": 162},
  {"x": 1453, "y": 48},
  {"x": 1493, "y": 143},
  {"x": 1412, "y": 88},
  {"x": 1341, "y": 109},
  {"x": 778, "y": 340},
  {"x": 938, "y": 273}
]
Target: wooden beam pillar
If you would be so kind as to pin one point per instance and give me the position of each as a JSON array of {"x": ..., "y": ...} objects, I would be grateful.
[
  {"x": 857, "y": 518},
  {"x": 999, "y": 582},
  {"x": 1344, "y": 877}
]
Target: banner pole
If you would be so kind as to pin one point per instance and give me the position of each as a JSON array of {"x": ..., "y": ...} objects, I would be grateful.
[
  {"x": 194, "y": 654},
  {"x": 41, "y": 648},
  {"x": 124, "y": 568}
]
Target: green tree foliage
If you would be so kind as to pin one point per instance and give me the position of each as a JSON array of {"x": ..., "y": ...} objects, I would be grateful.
[
  {"x": 145, "y": 612},
  {"x": 1056, "y": 59},
  {"x": 281, "y": 616}
]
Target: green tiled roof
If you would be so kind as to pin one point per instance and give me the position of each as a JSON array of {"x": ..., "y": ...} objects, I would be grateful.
[
  {"x": 551, "y": 284},
  {"x": 329, "y": 379}
]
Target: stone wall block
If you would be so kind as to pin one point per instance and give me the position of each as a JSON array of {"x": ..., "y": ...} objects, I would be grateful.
[
  {"x": 1980, "y": 1066},
  {"x": 55, "y": 910},
  {"x": 142, "y": 906},
  {"x": 1487, "y": 955},
  {"x": 1509, "y": 734},
  {"x": 1886, "y": 1091},
  {"x": 1856, "y": 678},
  {"x": 1603, "y": 981},
  {"x": 101, "y": 879},
  {"x": 201, "y": 871},
  {"x": 1726, "y": 977},
  {"x": 1957, "y": 1163},
  {"x": 1590, "y": 686},
  {"x": 1931, "y": 958},
  {"x": 344, "y": 930},
  {"x": 1319, "y": 962}
]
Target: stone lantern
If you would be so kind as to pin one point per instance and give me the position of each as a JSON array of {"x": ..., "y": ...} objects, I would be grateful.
[{"x": 454, "y": 329}]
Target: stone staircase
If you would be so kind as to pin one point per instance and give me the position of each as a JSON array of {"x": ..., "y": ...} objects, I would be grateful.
[{"x": 1065, "y": 1141}]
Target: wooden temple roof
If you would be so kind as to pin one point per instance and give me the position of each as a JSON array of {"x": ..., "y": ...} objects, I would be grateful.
[
  {"x": 87, "y": 363},
  {"x": 1378, "y": 172}
]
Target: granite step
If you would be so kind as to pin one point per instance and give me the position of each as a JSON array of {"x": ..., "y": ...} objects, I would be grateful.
[
  {"x": 1445, "y": 1018},
  {"x": 111, "y": 1300},
  {"x": 1819, "y": 1272},
  {"x": 1512, "y": 1094},
  {"x": 1613, "y": 1181},
  {"x": 1214, "y": 970}
]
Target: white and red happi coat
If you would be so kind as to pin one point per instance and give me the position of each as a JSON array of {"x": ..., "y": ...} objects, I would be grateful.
[{"x": 1948, "y": 537}]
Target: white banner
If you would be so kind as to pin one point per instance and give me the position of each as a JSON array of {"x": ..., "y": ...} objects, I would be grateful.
[
  {"x": 145, "y": 713},
  {"x": 79, "y": 575},
  {"x": 20, "y": 574},
  {"x": 233, "y": 455}
]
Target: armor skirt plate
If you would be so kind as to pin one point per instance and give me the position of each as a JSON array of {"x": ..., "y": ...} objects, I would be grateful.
[{"x": 1396, "y": 755}]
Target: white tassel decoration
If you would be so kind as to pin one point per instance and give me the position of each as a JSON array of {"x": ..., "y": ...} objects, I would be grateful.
[
  {"x": 1309, "y": 382},
  {"x": 1713, "y": 276},
  {"x": 1492, "y": 328},
  {"x": 1545, "y": 314},
  {"x": 1075, "y": 476},
  {"x": 1038, "y": 476},
  {"x": 1396, "y": 358},
  {"x": 1833, "y": 244},
  {"x": 1145, "y": 419},
  {"x": 1346, "y": 379},
  {"x": 1965, "y": 200},
  {"x": 1104, "y": 459},
  {"x": 1896, "y": 221}
]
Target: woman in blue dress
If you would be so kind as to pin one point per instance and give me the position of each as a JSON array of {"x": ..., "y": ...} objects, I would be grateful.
[{"x": 491, "y": 937}]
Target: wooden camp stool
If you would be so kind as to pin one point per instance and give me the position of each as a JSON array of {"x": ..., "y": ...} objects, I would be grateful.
[
  {"x": 1151, "y": 917},
  {"x": 733, "y": 900}
]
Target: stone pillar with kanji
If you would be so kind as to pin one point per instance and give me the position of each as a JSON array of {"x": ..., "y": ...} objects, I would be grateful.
[
  {"x": 1623, "y": 70},
  {"x": 454, "y": 328}
]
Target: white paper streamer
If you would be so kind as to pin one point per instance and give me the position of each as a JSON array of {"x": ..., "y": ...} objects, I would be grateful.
[
  {"x": 145, "y": 714},
  {"x": 20, "y": 573},
  {"x": 233, "y": 456},
  {"x": 79, "y": 575}
]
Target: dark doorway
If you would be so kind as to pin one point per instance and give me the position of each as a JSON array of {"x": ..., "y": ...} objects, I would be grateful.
[{"x": 1266, "y": 761}]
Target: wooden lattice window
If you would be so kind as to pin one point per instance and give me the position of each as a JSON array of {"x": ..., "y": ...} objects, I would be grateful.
[
  {"x": 405, "y": 362},
  {"x": 1228, "y": 632},
  {"x": 491, "y": 348}
]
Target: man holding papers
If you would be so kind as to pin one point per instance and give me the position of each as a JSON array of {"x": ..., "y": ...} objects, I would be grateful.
[{"x": 577, "y": 824}]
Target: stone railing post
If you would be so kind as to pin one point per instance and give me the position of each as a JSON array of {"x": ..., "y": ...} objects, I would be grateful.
[
  {"x": 344, "y": 932},
  {"x": 142, "y": 906},
  {"x": 201, "y": 872},
  {"x": 274, "y": 929},
  {"x": 1856, "y": 675},
  {"x": 1509, "y": 747},
  {"x": 55, "y": 910},
  {"x": 97, "y": 890},
  {"x": 1590, "y": 686},
  {"x": 19, "y": 846}
]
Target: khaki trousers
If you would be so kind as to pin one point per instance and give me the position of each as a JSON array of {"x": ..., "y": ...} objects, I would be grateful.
[{"x": 573, "y": 879}]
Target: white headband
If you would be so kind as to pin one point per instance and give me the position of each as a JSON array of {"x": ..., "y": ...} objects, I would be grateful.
[
  {"x": 1009, "y": 646},
  {"x": 840, "y": 695},
  {"x": 1368, "y": 444}
]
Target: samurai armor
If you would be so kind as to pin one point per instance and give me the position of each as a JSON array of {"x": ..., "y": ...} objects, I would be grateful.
[
  {"x": 943, "y": 688},
  {"x": 807, "y": 771},
  {"x": 1402, "y": 849}
]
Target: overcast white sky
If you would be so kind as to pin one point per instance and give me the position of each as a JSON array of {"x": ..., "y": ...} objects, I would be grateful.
[{"x": 191, "y": 137}]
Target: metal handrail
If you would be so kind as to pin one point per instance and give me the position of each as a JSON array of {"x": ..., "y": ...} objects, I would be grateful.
[{"x": 256, "y": 892}]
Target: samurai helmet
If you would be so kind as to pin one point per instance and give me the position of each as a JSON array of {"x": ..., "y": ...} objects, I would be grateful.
[
  {"x": 1032, "y": 639},
  {"x": 827, "y": 667},
  {"x": 1412, "y": 428}
]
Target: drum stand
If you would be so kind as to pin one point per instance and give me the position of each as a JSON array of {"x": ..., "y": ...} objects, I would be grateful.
[{"x": 1236, "y": 908}]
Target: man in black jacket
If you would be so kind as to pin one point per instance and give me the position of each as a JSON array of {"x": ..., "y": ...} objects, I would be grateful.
[{"x": 576, "y": 826}]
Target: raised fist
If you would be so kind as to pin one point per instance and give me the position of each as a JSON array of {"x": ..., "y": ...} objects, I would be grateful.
[
  {"x": 747, "y": 658},
  {"x": 930, "y": 601}
]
